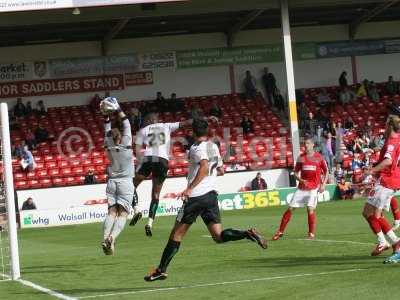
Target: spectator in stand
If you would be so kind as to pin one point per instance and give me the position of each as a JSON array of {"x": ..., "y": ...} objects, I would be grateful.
[
  {"x": 391, "y": 87},
  {"x": 234, "y": 167},
  {"x": 14, "y": 123},
  {"x": 196, "y": 113},
  {"x": 160, "y": 103},
  {"x": 247, "y": 125},
  {"x": 346, "y": 95},
  {"x": 329, "y": 151},
  {"x": 323, "y": 98},
  {"x": 136, "y": 119},
  {"x": 258, "y": 183},
  {"x": 362, "y": 90},
  {"x": 28, "y": 204},
  {"x": 356, "y": 163},
  {"x": 373, "y": 92},
  {"x": 175, "y": 103},
  {"x": 338, "y": 173},
  {"x": 95, "y": 103},
  {"x": 345, "y": 189},
  {"x": 349, "y": 123},
  {"x": 343, "y": 80},
  {"x": 28, "y": 108},
  {"x": 250, "y": 86},
  {"x": 379, "y": 141},
  {"x": 41, "y": 134},
  {"x": 269, "y": 83},
  {"x": 311, "y": 125},
  {"x": 27, "y": 161},
  {"x": 30, "y": 139},
  {"x": 367, "y": 130},
  {"x": 303, "y": 114},
  {"x": 18, "y": 150},
  {"x": 279, "y": 101},
  {"x": 215, "y": 110},
  {"x": 356, "y": 146},
  {"x": 90, "y": 178},
  {"x": 40, "y": 108},
  {"x": 19, "y": 109}
]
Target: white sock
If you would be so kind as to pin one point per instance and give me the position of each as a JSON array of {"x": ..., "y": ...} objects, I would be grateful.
[
  {"x": 108, "y": 225},
  {"x": 381, "y": 238},
  {"x": 150, "y": 222},
  {"x": 119, "y": 225},
  {"x": 392, "y": 237}
]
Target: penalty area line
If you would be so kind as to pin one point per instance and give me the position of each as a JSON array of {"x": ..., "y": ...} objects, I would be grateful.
[{"x": 222, "y": 283}]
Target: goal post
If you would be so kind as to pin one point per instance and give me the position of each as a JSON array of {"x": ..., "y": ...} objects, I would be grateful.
[{"x": 11, "y": 256}]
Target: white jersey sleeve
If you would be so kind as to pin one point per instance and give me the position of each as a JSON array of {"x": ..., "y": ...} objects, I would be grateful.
[{"x": 173, "y": 126}]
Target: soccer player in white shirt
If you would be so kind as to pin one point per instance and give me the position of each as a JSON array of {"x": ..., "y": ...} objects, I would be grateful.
[
  {"x": 201, "y": 199},
  {"x": 156, "y": 137},
  {"x": 120, "y": 171}
]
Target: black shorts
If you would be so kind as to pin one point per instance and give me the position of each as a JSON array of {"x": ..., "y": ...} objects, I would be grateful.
[
  {"x": 157, "y": 166},
  {"x": 205, "y": 206}
]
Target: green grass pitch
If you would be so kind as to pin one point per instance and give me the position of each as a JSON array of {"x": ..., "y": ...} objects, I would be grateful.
[{"x": 69, "y": 260}]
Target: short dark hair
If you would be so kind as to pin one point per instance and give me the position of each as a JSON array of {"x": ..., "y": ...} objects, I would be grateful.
[{"x": 200, "y": 127}]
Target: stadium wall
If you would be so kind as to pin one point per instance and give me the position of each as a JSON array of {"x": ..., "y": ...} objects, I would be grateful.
[{"x": 216, "y": 80}]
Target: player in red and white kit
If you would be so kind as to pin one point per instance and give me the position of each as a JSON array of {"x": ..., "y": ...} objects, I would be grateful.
[
  {"x": 311, "y": 171},
  {"x": 394, "y": 207},
  {"x": 388, "y": 173}
]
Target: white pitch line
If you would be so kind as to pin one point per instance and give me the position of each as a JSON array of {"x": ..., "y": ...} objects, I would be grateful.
[
  {"x": 222, "y": 283},
  {"x": 336, "y": 242},
  {"x": 45, "y": 290}
]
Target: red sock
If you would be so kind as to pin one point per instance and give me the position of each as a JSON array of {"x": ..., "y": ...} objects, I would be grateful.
[
  {"x": 384, "y": 225},
  {"x": 312, "y": 221},
  {"x": 395, "y": 208},
  {"x": 374, "y": 224},
  {"x": 285, "y": 220}
]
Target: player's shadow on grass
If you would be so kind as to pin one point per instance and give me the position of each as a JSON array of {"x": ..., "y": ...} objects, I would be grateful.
[{"x": 285, "y": 262}]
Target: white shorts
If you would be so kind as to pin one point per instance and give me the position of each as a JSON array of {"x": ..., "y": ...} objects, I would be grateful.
[
  {"x": 303, "y": 198},
  {"x": 380, "y": 197},
  {"x": 120, "y": 191}
]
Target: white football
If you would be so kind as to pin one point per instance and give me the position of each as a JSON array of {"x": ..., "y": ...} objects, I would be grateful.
[{"x": 106, "y": 108}]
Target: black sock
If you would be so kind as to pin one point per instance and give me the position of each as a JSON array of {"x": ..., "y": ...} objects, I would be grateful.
[
  {"x": 135, "y": 199},
  {"x": 233, "y": 235},
  {"x": 169, "y": 252},
  {"x": 153, "y": 208}
]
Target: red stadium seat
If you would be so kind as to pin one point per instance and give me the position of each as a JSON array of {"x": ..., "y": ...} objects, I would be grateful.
[
  {"x": 21, "y": 185},
  {"x": 66, "y": 172},
  {"x": 34, "y": 184},
  {"x": 42, "y": 174},
  {"x": 53, "y": 173},
  {"x": 46, "y": 183},
  {"x": 58, "y": 181},
  {"x": 78, "y": 171}
]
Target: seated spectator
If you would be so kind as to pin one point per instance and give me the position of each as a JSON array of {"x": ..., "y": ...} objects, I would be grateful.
[
  {"x": 349, "y": 123},
  {"x": 30, "y": 139},
  {"x": 373, "y": 92},
  {"x": 279, "y": 102},
  {"x": 28, "y": 108},
  {"x": 362, "y": 90},
  {"x": 346, "y": 96},
  {"x": 391, "y": 87},
  {"x": 19, "y": 109},
  {"x": 338, "y": 173},
  {"x": 27, "y": 161},
  {"x": 250, "y": 86},
  {"x": 345, "y": 189},
  {"x": 323, "y": 98},
  {"x": 235, "y": 167},
  {"x": 343, "y": 80},
  {"x": 378, "y": 141},
  {"x": 90, "y": 178},
  {"x": 367, "y": 130},
  {"x": 196, "y": 113},
  {"x": 40, "y": 108},
  {"x": 215, "y": 110},
  {"x": 247, "y": 125},
  {"x": 356, "y": 163},
  {"x": 258, "y": 183},
  {"x": 41, "y": 134},
  {"x": 28, "y": 204}
]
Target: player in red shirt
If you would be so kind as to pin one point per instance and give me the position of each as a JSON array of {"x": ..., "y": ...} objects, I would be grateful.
[
  {"x": 388, "y": 172},
  {"x": 311, "y": 171}
]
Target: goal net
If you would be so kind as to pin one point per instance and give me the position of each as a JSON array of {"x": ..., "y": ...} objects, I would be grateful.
[{"x": 9, "y": 258}]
